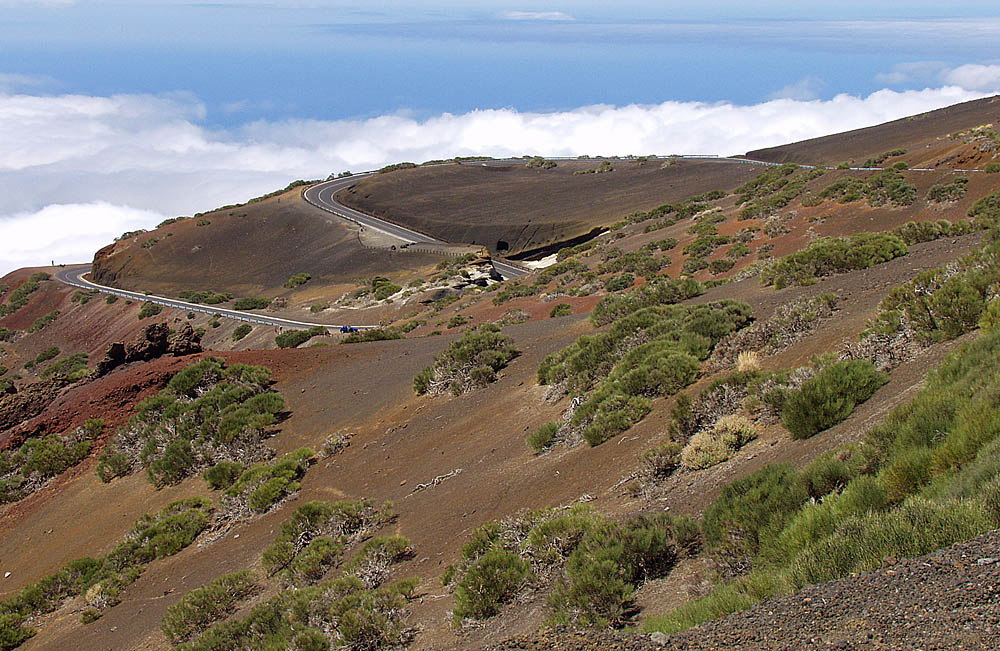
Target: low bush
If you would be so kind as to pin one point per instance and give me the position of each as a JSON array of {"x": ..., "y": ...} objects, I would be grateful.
[
  {"x": 655, "y": 351},
  {"x": 102, "y": 579},
  {"x": 263, "y": 485},
  {"x": 559, "y": 310},
  {"x": 206, "y": 297},
  {"x": 242, "y": 331},
  {"x": 251, "y": 303},
  {"x": 493, "y": 580},
  {"x": 200, "y": 608},
  {"x": 887, "y": 187},
  {"x": 542, "y": 437},
  {"x": 830, "y": 397},
  {"x": 953, "y": 191},
  {"x": 922, "y": 479},
  {"x": 295, "y": 338},
  {"x": 18, "y": 297},
  {"x": 468, "y": 363},
  {"x": 711, "y": 447},
  {"x": 296, "y": 280},
  {"x": 372, "y": 334},
  {"x": 538, "y": 162},
  {"x": 339, "y": 523},
  {"x": 149, "y": 309},
  {"x": 223, "y": 474},
  {"x": 831, "y": 255},
  {"x": 619, "y": 283},
  {"x": 721, "y": 265},
  {"x": 208, "y": 413}
]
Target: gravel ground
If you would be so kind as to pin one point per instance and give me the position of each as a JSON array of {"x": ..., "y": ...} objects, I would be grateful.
[{"x": 946, "y": 600}]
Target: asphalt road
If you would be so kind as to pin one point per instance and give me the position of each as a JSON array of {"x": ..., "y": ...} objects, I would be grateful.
[
  {"x": 74, "y": 276},
  {"x": 321, "y": 195}
]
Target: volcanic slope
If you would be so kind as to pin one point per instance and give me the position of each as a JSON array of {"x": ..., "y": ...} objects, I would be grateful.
[
  {"x": 512, "y": 208},
  {"x": 249, "y": 250},
  {"x": 916, "y": 134},
  {"x": 451, "y": 463}
]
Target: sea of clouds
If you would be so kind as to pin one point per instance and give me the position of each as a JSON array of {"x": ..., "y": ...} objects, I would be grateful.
[{"x": 76, "y": 171}]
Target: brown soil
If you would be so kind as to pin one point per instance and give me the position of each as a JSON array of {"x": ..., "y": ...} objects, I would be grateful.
[
  {"x": 913, "y": 133},
  {"x": 531, "y": 208},
  {"x": 401, "y": 440},
  {"x": 944, "y": 600},
  {"x": 251, "y": 250}
]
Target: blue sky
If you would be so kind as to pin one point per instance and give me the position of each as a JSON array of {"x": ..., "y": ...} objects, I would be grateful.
[
  {"x": 114, "y": 114},
  {"x": 332, "y": 60}
]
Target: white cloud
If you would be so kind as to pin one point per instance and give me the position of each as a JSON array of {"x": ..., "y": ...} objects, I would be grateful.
[
  {"x": 971, "y": 76},
  {"x": 912, "y": 72},
  {"x": 62, "y": 232},
  {"x": 974, "y": 76},
  {"x": 536, "y": 15},
  {"x": 14, "y": 82},
  {"x": 77, "y": 170},
  {"x": 804, "y": 89}
]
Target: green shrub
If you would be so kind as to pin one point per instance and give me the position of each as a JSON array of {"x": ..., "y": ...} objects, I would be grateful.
[
  {"x": 750, "y": 511},
  {"x": 149, "y": 309},
  {"x": 262, "y": 485},
  {"x": 923, "y": 479},
  {"x": 830, "y": 255},
  {"x": 223, "y": 474},
  {"x": 153, "y": 536},
  {"x": 607, "y": 565},
  {"x": 295, "y": 338},
  {"x": 372, "y": 334},
  {"x": 721, "y": 265},
  {"x": 206, "y": 297},
  {"x": 542, "y": 437},
  {"x": 659, "y": 291},
  {"x": 992, "y": 168},
  {"x": 49, "y": 353},
  {"x": 383, "y": 288},
  {"x": 493, "y": 580},
  {"x": 985, "y": 213},
  {"x": 214, "y": 413},
  {"x": 559, "y": 310},
  {"x": 242, "y": 331},
  {"x": 297, "y": 280},
  {"x": 18, "y": 298},
  {"x": 830, "y": 397},
  {"x": 953, "y": 191},
  {"x": 468, "y": 363},
  {"x": 71, "y": 369},
  {"x": 199, "y": 608},
  {"x": 396, "y": 166},
  {"x": 251, "y": 303},
  {"x": 344, "y": 521}
]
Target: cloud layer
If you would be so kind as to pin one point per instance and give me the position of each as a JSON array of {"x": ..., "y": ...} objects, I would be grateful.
[{"x": 77, "y": 170}]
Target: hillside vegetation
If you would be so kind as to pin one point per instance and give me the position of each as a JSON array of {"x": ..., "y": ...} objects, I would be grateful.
[{"x": 754, "y": 380}]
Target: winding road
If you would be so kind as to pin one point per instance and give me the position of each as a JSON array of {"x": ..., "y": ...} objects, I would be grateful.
[
  {"x": 74, "y": 276},
  {"x": 321, "y": 196}
]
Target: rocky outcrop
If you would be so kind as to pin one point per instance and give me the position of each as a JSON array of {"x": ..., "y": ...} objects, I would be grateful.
[
  {"x": 154, "y": 341},
  {"x": 27, "y": 402}
]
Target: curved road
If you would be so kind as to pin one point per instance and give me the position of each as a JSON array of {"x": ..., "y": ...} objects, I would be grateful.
[
  {"x": 321, "y": 196},
  {"x": 74, "y": 276}
]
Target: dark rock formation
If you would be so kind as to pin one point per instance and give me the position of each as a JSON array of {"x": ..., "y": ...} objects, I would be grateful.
[{"x": 154, "y": 341}]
